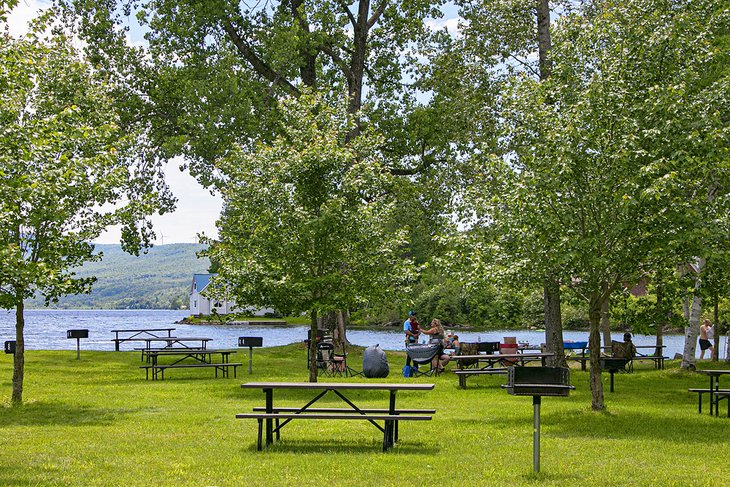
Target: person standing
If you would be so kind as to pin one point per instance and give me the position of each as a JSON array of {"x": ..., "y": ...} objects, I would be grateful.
[
  {"x": 411, "y": 329},
  {"x": 707, "y": 333}
]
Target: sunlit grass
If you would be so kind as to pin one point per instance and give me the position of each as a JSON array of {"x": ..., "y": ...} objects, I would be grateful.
[{"x": 98, "y": 422}]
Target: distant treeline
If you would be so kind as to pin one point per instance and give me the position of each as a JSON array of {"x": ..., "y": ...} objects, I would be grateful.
[{"x": 159, "y": 279}]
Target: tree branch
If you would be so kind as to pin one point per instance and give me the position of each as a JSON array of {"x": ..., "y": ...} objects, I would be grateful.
[
  {"x": 346, "y": 8},
  {"x": 525, "y": 64},
  {"x": 376, "y": 15},
  {"x": 256, "y": 62}
]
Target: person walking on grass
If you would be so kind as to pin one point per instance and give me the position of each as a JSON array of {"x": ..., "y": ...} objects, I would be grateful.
[{"x": 707, "y": 333}]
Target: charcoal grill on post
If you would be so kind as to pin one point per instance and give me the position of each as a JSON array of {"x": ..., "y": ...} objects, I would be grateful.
[
  {"x": 10, "y": 346},
  {"x": 538, "y": 382},
  {"x": 250, "y": 342},
  {"x": 78, "y": 335},
  {"x": 613, "y": 365}
]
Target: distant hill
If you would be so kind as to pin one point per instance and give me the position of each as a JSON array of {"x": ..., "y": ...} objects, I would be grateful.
[{"x": 159, "y": 279}]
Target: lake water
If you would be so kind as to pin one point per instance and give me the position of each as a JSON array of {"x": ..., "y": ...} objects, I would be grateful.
[{"x": 46, "y": 330}]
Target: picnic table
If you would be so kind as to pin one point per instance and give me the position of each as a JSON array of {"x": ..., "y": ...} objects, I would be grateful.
[
  {"x": 485, "y": 364},
  {"x": 188, "y": 358},
  {"x": 716, "y": 394},
  {"x": 180, "y": 342},
  {"x": 658, "y": 360},
  {"x": 390, "y": 416},
  {"x": 140, "y": 334}
]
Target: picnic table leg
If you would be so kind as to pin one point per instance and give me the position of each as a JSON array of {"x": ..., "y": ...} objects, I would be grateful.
[
  {"x": 269, "y": 410},
  {"x": 611, "y": 373},
  {"x": 261, "y": 427},
  {"x": 536, "y": 400},
  {"x": 394, "y": 432}
]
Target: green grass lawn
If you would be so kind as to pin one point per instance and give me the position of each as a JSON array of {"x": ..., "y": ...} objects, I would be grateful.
[{"x": 97, "y": 421}]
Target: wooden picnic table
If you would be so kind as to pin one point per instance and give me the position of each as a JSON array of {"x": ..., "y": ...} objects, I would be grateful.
[
  {"x": 715, "y": 388},
  {"x": 390, "y": 416},
  {"x": 138, "y": 334},
  {"x": 584, "y": 356},
  {"x": 181, "y": 342},
  {"x": 188, "y": 358},
  {"x": 489, "y": 361}
]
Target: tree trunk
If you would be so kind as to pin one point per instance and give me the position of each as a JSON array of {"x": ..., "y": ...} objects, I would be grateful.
[
  {"x": 693, "y": 330},
  {"x": 663, "y": 314},
  {"x": 685, "y": 298},
  {"x": 605, "y": 323},
  {"x": 339, "y": 337},
  {"x": 553, "y": 324},
  {"x": 544, "y": 44},
  {"x": 716, "y": 321},
  {"x": 313, "y": 347},
  {"x": 594, "y": 343},
  {"x": 19, "y": 357}
]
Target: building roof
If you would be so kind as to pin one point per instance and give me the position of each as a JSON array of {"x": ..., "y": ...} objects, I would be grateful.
[{"x": 200, "y": 281}]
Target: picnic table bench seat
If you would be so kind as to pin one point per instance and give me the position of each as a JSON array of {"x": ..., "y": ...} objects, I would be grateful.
[
  {"x": 719, "y": 394},
  {"x": 464, "y": 373},
  {"x": 158, "y": 370},
  {"x": 390, "y": 420}
]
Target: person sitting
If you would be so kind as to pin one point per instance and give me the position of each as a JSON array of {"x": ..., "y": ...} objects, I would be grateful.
[
  {"x": 629, "y": 347},
  {"x": 438, "y": 335}
]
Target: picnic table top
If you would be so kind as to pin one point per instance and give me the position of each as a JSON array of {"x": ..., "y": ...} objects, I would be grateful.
[
  {"x": 502, "y": 355},
  {"x": 186, "y": 351},
  {"x": 338, "y": 386},
  {"x": 717, "y": 372},
  {"x": 142, "y": 329}
]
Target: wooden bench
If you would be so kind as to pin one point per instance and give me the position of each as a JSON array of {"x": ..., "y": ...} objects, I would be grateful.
[
  {"x": 159, "y": 370},
  {"x": 464, "y": 373},
  {"x": 657, "y": 359},
  {"x": 719, "y": 393},
  {"x": 390, "y": 420}
]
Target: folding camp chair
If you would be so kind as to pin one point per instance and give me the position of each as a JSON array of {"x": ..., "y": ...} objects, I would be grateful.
[
  {"x": 423, "y": 354},
  {"x": 328, "y": 363}
]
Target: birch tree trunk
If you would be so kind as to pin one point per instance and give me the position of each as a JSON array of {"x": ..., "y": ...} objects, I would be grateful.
[{"x": 692, "y": 331}]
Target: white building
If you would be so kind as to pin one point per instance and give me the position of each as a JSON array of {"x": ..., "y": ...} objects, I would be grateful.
[{"x": 203, "y": 305}]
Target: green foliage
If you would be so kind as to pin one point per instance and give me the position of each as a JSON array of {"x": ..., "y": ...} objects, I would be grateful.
[{"x": 304, "y": 226}]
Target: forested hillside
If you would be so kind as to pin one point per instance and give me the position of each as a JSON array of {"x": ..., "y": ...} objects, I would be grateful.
[{"x": 159, "y": 279}]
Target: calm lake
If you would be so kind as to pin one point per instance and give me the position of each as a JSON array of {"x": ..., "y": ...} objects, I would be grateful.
[{"x": 46, "y": 330}]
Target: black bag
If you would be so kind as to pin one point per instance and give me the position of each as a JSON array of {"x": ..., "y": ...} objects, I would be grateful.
[{"x": 375, "y": 363}]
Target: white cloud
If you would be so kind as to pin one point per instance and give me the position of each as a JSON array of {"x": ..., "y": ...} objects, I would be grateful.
[
  {"x": 450, "y": 24},
  {"x": 24, "y": 12},
  {"x": 196, "y": 212}
]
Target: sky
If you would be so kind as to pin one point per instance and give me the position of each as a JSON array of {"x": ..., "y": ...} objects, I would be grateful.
[{"x": 197, "y": 210}]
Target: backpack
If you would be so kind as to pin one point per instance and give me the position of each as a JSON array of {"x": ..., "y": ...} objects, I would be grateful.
[{"x": 407, "y": 371}]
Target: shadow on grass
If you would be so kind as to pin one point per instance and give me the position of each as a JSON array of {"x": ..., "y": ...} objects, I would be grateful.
[
  {"x": 57, "y": 414},
  {"x": 619, "y": 426},
  {"x": 337, "y": 447}
]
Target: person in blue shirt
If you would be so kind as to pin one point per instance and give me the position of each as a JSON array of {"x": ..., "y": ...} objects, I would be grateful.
[{"x": 412, "y": 331}]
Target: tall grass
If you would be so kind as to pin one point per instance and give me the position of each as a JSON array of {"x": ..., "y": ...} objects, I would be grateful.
[{"x": 97, "y": 421}]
